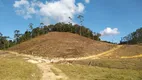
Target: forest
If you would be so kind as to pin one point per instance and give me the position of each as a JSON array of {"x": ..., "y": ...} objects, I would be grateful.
[{"x": 133, "y": 38}]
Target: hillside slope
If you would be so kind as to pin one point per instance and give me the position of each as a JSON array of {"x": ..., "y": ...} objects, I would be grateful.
[
  {"x": 62, "y": 44},
  {"x": 125, "y": 51}
]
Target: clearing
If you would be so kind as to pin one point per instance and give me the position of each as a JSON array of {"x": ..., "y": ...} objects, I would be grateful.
[
  {"x": 62, "y": 45},
  {"x": 67, "y": 56}
]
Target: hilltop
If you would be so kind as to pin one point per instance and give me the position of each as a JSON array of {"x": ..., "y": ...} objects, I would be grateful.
[{"x": 62, "y": 44}]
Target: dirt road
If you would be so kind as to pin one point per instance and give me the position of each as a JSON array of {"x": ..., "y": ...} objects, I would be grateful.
[{"x": 45, "y": 64}]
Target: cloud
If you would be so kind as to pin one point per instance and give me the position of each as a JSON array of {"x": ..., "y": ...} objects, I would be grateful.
[
  {"x": 58, "y": 10},
  {"x": 109, "y": 31},
  {"x": 25, "y": 8},
  {"x": 18, "y": 4},
  {"x": 61, "y": 10},
  {"x": 87, "y": 1}
]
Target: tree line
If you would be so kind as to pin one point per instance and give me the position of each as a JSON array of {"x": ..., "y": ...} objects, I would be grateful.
[
  {"x": 133, "y": 38},
  {"x": 4, "y": 42},
  {"x": 44, "y": 29}
]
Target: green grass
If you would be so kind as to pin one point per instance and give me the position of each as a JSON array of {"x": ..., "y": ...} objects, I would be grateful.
[
  {"x": 15, "y": 68},
  {"x": 84, "y": 72}
]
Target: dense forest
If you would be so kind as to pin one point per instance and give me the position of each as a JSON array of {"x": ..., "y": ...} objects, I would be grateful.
[
  {"x": 43, "y": 29},
  {"x": 133, "y": 38}
]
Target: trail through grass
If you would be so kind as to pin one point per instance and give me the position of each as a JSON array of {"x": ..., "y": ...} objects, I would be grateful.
[
  {"x": 48, "y": 70},
  {"x": 15, "y": 68}
]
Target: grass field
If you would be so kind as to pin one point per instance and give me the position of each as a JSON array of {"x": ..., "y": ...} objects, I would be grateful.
[
  {"x": 135, "y": 64},
  {"x": 84, "y": 72},
  {"x": 15, "y": 68}
]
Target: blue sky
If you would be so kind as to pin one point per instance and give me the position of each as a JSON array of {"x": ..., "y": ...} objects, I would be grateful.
[{"x": 118, "y": 16}]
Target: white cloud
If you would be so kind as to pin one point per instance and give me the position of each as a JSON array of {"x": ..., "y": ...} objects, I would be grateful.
[
  {"x": 109, "y": 31},
  {"x": 87, "y": 1},
  {"x": 80, "y": 7},
  {"x": 58, "y": 10},
  {"x": 24, "y": 8},
  {"x": 18, "y": 4}
]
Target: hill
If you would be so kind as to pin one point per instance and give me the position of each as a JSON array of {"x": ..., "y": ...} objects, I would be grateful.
[{"x": 62, "y": 44}]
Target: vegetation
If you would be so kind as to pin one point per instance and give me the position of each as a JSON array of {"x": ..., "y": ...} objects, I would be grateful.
[
  {"x": 61, "y": 44},
  {"x": 83, "y": 72},
  {"x": 134, "y": 64},
  {"x": 133, "y": 38},
  {"x": 15, "y": 68},
  {"x": 4, "y": 43},
  {"x": 43, "y": 29}
]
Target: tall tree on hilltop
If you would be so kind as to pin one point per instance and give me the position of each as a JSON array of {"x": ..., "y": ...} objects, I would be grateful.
[
  {"x": 17, "y": 35},
  {"x": 41, "y": 25},
  {"x": 71, "y": 24},
  {"x": 31, "y": 26},
  {"x": 80, "y": 17}
]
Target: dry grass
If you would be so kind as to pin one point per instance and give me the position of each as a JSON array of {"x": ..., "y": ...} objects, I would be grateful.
[
  {"x": 82, "y": 72},
  {"x": 127, "y": 51},
  {"x": 135, "y": 64},
  {"x": 15, "y": 68},
  {"x": 62, "y": 44}
]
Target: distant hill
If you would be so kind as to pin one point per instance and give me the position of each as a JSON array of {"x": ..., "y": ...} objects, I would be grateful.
[
  {"x": 62, "y": 44},
  {"x": 133, "y": 38}
]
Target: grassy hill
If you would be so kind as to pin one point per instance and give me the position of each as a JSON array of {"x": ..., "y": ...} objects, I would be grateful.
[
  {"x": 62, "y": 44},
  {"x": 108, "y": 66}
]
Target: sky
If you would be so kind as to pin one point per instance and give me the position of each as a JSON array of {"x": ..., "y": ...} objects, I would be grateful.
[{"x": 113, "y": 19}]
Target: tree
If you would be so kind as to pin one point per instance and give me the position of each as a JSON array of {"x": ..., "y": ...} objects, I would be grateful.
[
  {"x": 1, "y": 34},
  {"x": 4, "y": 43},
  {"x": 41, "y": 25},
  {"x": 60, "y": 27},
  {"x": 17, "y": 35},
  {"x": 80, "y": 17},
  {"x": 31, "y": 26},
  {"x": 96, "y": 36},
  {"x": 25, "y": 36},
  {"x": 133, "y": 38}
]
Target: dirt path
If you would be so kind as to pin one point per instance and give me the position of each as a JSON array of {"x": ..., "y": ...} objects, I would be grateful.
[
  {"x": 45, "y": 65},
  {"x": 106, "y": 53},
  {"x": 136, "y": 56},
  {"x": 109, "y": 52},
  {"x": 47, "y": 60},
  {"x": 48, "y": 74}
]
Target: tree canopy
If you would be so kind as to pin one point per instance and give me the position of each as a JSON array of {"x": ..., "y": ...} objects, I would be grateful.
[{"x": 133, "y": 38}]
